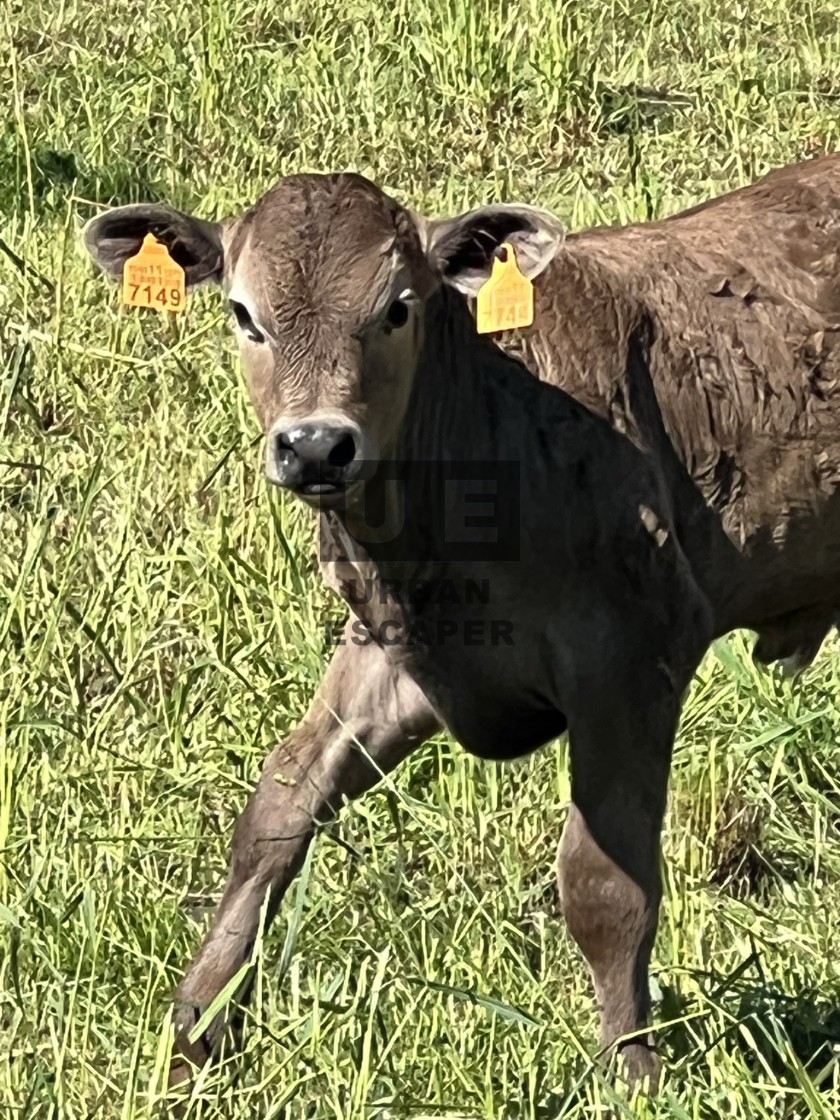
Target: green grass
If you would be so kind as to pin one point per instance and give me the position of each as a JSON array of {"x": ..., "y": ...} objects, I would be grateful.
[{"x": 161, "y": 619}]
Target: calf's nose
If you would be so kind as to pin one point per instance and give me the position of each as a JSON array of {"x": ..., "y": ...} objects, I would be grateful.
[{"x": 313, "y": 457}]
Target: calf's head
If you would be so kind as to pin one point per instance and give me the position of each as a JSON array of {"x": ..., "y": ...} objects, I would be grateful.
[{"x": 327, "y": 279}]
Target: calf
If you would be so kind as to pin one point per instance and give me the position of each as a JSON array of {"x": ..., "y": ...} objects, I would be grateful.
[{"x": 664, "y": 442}]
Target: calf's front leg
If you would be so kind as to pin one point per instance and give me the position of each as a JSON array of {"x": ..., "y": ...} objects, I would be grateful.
[
  {"x": 366, "y": 717},
  {"x": 608, "y": 859}
]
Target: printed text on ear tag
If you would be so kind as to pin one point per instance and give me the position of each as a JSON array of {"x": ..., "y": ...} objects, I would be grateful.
[
  {"x": 506, "y": 299},
  {"x": 152, "y": 279}
]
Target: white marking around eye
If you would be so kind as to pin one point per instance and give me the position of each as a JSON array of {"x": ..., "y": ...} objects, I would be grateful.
[{"x": 238, "y": 292}]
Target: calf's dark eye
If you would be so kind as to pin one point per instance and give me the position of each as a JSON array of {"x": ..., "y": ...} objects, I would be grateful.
[
  {"x": 397, "y": 313},
  {"x": 246, "y": 323}
]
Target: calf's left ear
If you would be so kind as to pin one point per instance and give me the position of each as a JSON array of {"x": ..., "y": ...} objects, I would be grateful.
[
  {"x": 111, "y": 238},
  {"x": 461, "y": 250}
]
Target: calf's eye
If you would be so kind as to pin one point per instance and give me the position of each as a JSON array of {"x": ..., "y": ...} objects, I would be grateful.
[
  {"x": 397, "y": 314},
  {"x": 245, "y": 322}
]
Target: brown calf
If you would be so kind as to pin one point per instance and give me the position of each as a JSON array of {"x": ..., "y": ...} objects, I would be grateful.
[{"x": 664, "y": 444}]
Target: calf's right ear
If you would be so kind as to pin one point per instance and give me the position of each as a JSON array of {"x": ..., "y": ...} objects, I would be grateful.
[{"x": 111, "y": 238}]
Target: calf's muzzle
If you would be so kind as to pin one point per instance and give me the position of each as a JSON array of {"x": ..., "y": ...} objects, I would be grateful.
[{"x": 314, "y": 458}]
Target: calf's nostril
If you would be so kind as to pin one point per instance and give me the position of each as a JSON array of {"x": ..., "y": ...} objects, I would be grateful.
[
  {"x": 283, "y": 443},
  {"x": 343, "y": 453}
]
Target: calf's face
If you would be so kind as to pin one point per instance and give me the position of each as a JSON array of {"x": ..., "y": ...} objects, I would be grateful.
[{"x": 327, "y": 279}]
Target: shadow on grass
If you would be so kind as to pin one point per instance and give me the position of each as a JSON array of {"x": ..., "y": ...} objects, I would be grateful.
[
  {"x": 58, "y": 174},
  {"x": 796, "y": 1038},
  {"x": 791, "y": 1035}
]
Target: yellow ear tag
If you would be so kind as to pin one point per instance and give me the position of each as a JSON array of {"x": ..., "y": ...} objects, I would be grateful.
[
  {"x": 506, "y": 299},
  {"x": 152, "y": 279}
]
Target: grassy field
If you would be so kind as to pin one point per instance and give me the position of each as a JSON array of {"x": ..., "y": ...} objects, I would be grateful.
[{"x": 162, "y": 623}]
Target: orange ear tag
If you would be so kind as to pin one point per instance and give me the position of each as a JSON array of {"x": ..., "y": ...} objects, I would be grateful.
[
  {"x": 506, "y": 299},
  {"x": 152, "y": 279}
]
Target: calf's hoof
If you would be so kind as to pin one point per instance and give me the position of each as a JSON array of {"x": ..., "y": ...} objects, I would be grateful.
[
  {"x": 640, "y": 1066},
  {"x": 187, "y": 1057},
  {"x": 221, "y": 1038}
]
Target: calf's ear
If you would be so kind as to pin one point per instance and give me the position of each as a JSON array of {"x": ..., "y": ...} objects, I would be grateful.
[
  {"x": 111, "y": 238},
  {"x": 461, "y": 249}
]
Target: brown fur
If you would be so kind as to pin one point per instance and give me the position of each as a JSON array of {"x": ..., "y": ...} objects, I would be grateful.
[
  {"x": 744, "y": 293},
  {"x": 675, "y": 413}
]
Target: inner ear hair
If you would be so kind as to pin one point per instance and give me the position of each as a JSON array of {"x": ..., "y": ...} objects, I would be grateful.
[{"x": 474, "y": 246}]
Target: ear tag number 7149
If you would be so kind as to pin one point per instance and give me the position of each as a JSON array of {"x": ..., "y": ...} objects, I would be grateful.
[{"x": 152, "y": 279}]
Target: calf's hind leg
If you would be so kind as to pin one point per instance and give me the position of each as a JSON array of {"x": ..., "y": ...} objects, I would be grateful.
[
  {"x": 363, "y": 699},
  {"x": 608, "y": 861}
]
